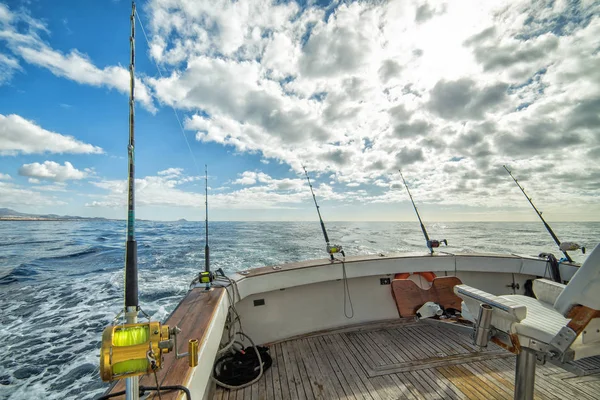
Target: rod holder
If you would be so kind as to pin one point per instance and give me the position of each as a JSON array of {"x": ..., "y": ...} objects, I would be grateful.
[
  {"x": 483, "y": 328},
  {"x": 193, "y": 352}
]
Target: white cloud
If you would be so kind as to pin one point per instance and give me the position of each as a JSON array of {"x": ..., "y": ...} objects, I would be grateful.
[
  {"x": 18, "y": 135},
  {"x": 4, "y": 177},
  {"x": 360, "y": 89},
  {"x": 264, "y": 192},
  {"x": 374, "y": 87},
  {"x": 55, "y": 187},
  {"x": 52, "y": 171},
  {"x": 8, "y": 67},
  {"x": 12, "y": 195},
  {"x": 23, "y": 36},
  {"x": 250, "y": 178},
  {"x": 171, "y": 172},
  {"x": 79, "y": 68}
]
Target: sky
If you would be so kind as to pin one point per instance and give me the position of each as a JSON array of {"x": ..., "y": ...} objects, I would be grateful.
[{"x": 446, "y": 91}]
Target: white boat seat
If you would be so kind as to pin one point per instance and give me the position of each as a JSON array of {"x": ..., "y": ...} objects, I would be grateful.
[
  {"x": 543, "y": 322},
  {"x": 564, "y": 319}
]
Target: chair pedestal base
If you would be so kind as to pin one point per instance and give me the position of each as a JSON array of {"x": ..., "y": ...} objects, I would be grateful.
[{"x": 525, "y": 374}]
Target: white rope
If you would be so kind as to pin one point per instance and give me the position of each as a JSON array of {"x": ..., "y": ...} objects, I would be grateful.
[{"x": 172, "y": 107}]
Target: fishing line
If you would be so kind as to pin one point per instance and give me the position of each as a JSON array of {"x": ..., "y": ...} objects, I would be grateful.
[{"x": 137, "y": 14}]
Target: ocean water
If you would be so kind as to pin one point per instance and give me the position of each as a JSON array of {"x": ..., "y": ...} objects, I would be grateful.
[{"x": 61, "y": 283}]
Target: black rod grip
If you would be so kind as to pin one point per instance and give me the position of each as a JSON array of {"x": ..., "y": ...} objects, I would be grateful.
[
  {"x": 131, "y": 274},
  {"x": 206, "y": 258}
]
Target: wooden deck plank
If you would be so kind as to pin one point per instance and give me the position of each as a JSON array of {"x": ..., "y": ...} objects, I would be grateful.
[
  {"x": 451, "y": 390},
  {"x": 262, "y": 384},
  {"x": 289, "y": 365},
  {"x": 275, "y": 373},
  {"x": 383, "y": 342},
  {"x": 297, "y": 375},
  {"x": 460, "y": 383},
  {"x": 436, "y": 384},
  {"x": 319, "y": 388},
  {"x": 414, "y": 390},
  {"x": 362, "y": 349},
  {"x": 245, "y": 393},
  {"x": 405, "y": 392},
  {"x": 356, "y": 384},
  {"x": 503, "y": 387},
  {"x": 426, "y": 390},
  {"x": 327, "y": 373},
  {"x": 385, "y": 387},
  {"x": 476, "y": 382},
  {"x": 283, "y": 381},
  {"x": 330, "y": 359},
  {"x": 426, "y": 349},
  {"x": 342, "y": 348},
  {"x": 446, "y": 348},
  {"x": 373, "y": 337},
  {"x": 487, "y": 382},
  {"x": 254, "y": 389},
  {"x": 302, "y": 369},
  {"x": 397, "y": 341}
]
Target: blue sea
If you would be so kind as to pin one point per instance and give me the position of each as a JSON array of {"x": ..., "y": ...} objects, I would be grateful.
[{"x": 61, "y": 283}]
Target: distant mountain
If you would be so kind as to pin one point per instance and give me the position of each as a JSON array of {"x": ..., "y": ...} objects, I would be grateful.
[
  {"x": 8, "y": 214},
  {"x": 8, "y": 211}
]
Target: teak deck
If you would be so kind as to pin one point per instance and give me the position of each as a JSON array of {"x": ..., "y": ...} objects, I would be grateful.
[{"x": 400, "y": 360}]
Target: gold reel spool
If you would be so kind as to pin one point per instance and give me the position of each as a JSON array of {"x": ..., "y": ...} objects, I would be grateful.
[{"x": 127, "y": 349}]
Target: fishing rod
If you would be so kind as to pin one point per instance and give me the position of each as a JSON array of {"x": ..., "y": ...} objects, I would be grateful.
[
  {"x": 563, "y": 246},
  {"x": 431, "y": 244},
  {"x": 131, "y": 349},
  {"x": 331, "y": 249},
  {"x": 206, "y": 277},
  {"x": 131, "y": 267},
  {"x": 206, "y": 248}
]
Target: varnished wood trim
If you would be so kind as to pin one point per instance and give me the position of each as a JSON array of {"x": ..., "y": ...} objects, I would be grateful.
[{"x": 580, "y": 317}]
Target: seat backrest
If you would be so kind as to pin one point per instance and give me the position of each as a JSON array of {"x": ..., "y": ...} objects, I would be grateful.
[{"x": 584, "y": 287}]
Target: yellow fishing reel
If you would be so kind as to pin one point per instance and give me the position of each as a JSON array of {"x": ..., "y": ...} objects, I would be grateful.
[
  {"x": 133, "y": 349},
  {"x": 137, "y": 349},
  {"x": 335, "y": 249}
]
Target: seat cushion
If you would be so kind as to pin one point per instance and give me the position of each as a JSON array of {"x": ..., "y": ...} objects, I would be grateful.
[{"x": 542, "y": 322}]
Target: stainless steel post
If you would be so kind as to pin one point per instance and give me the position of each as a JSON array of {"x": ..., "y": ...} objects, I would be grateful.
[
  {"x": 525, "y": 375},
  {"x": 484, "y": 323},
  {"x": 132, "y": 384}
]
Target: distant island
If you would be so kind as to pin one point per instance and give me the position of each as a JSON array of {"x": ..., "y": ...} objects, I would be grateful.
[{"x": 6, "y": 214}]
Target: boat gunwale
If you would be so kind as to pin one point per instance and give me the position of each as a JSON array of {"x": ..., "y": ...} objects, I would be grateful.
[{"x": 312, "y": 263}]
